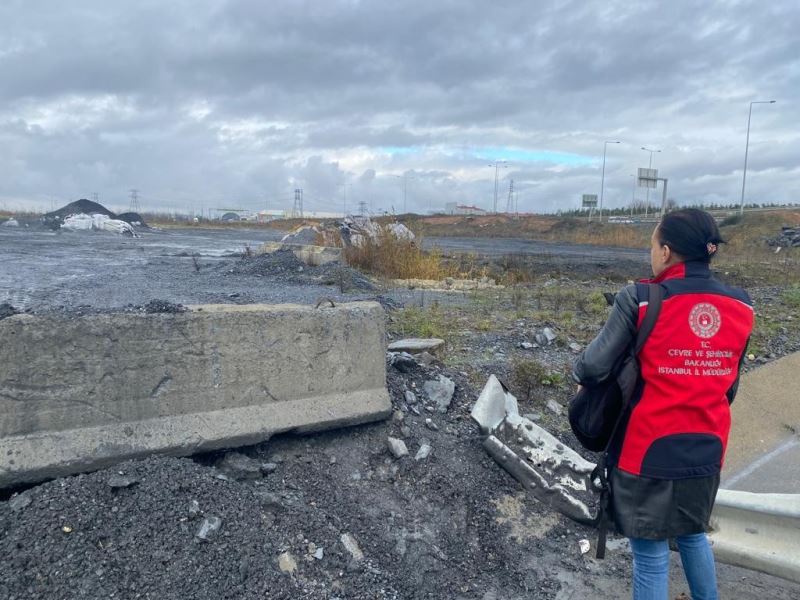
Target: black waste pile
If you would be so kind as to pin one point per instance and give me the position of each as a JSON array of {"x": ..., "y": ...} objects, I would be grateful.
[
  {"x": 284, "y": 266},
  {"x": 55, "y": 219}
]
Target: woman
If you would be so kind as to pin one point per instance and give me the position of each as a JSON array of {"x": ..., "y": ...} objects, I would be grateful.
[{"x": 668, "y": 459}]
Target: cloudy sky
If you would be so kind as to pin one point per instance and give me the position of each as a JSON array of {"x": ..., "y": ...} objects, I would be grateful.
[{"x": 210, "y": 104}]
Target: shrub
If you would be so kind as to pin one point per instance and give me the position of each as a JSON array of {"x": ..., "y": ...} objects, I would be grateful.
[{"x": 387, "y": 256}]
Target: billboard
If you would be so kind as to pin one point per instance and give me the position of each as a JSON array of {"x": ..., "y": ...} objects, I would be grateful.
[
  {"x": 648, "y": 178},
  {"x": 589, "y": 201}
]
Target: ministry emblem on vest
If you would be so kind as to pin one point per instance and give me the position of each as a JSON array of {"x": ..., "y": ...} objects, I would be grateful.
[{"x": 705, "y": 320}]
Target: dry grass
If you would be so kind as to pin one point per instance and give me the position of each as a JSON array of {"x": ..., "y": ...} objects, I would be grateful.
[{"x": 392, "y": 258}]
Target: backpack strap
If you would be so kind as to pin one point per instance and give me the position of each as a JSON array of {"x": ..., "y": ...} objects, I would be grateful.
[{"x": 655, "y": 295}]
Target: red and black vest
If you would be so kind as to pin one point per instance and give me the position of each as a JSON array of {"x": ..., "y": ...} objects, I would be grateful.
[{"x": 678, "y": 428}]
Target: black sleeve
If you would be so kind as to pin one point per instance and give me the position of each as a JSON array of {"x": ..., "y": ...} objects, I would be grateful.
[
  {"x": 596, "y": 363},
  {"x": 731, "y": 393}
]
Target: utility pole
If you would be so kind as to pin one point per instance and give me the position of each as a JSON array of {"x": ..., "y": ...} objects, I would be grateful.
[
  {"x": 134, "y": 200},
  {"x": 510, "y": 201},
  {"x": 496, "y": 166}
]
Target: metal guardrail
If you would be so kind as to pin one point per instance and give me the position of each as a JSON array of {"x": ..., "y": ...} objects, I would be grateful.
[{"x": 758, "y": 531}]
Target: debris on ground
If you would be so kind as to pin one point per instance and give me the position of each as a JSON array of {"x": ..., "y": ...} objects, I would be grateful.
[
  {"x": 416, "y": 345},
  {"x": 788, "y": 238}
]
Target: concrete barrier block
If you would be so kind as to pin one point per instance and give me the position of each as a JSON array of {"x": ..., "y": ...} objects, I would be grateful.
[{"x": 79, "y": 393}]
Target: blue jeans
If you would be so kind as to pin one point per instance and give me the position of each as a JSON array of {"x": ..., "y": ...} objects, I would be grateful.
[{"x": 651, "y": 567}]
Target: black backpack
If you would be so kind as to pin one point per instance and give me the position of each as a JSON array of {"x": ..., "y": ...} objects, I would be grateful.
[{"x": 596, "y": 412}]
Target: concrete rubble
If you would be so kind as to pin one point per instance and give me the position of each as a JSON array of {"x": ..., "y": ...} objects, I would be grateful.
[
  {"x": 440, "y": 392},
  {"x": 416, "y": 345},
  {"x": 551, "y": 471}
]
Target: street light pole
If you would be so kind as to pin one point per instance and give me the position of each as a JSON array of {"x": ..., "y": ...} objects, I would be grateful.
[
  {"x": 603, "y": 176},
  {"x": 633, "y": 194},
  {"x": 746, "y": 145}
]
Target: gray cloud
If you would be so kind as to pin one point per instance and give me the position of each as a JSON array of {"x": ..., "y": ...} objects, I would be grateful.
[{"x": 241, "y": 101}]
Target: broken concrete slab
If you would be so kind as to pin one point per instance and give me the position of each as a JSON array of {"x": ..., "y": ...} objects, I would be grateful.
[
  {"x": 240, "y": 467},
  {"x": 81, "y": 393},
  {"x": 554, "y": 473},
  {"x": 416, "y": 345},
  {"x": 440, "y": 391}
]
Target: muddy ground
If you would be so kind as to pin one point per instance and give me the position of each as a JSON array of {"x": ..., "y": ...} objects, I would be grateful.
[{"x": 452, "y": 525}]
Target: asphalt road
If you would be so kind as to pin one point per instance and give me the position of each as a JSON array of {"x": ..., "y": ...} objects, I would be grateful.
[
  {"x": 764, "y": 446},
  {"x": 510, "y": 246}
]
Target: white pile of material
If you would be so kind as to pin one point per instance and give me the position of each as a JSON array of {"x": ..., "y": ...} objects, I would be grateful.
[
  {"x": 97, "y": 222},
  {"x": 12, "y": 222},
  {"x": 355, "y": 230}
]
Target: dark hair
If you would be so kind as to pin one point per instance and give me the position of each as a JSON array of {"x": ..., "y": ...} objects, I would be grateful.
[{"x": 691, "y": 233}]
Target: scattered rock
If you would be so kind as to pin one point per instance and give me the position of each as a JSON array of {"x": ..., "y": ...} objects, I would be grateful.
[
  {"x": 119, "y": 481},
  {"x": 239, "y": 467},
  {"x": 319, "y": 554},
  {"x": 549, "y": 335},
  {"x": 540, "y": 339},
  {"x": 426, "y": 359},
  {"x": 351, "y": 545},
  {"x": 526, "y": 346},
  {"x": 416, "y": 345},
  {"x": 402, "y": 361},
  {"x": 585, "y": 546},
  {"x": 431, "y": 425},
  {"x": 424, "y": 451},
  {"x": 411, "y": 397},
  {"x": 554, "y": 406},
  {"x": 194, "y": 509},
  {"x": 19, "y": 501},
  {"x": 397, "y": 447},
  {"x": 271, "y": 467},
  {"x": 440, "y": 392},
  {"x": 209, "y": 528},
  {"x": 287, "y": 564},
  {"x": 575, "y": 347}
]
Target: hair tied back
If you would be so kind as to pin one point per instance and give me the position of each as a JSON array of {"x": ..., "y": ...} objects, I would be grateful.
[{"x": 711, "y": 247}]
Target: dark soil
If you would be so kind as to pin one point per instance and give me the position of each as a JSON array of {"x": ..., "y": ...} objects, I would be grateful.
[
  {"x": 284, "y": 267},
  {"x": 427, "y": 529},
  {"x": 79, "y": 206}
]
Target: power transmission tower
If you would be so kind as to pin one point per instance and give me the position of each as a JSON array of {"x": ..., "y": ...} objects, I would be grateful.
[
  {"x": 297, "y": 209},
  {"x": 510, "y": 201},
  {"x": 134, "y": 200},
  {"x": 96, "y": 197},
  {"x": 362, "y": 208}
]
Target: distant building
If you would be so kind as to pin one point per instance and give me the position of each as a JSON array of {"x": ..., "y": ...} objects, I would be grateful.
[
  {"x": 453, "y": 208},
  {"x": 270, "y": 215}
]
